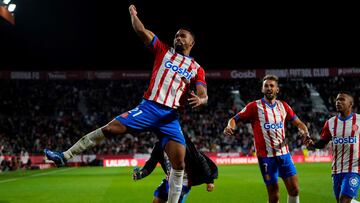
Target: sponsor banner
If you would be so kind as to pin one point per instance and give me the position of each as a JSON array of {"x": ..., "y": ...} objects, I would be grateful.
[
  {"x": 210, "y": 74},
  {"x": 123, "y": 162},
  {"x": 299, "y": 72},
  {"x": 348, "y": 71}
]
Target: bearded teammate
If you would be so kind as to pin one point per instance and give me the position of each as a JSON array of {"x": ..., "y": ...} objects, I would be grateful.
[
  {"x": 174, "y": 73},
  {"x": 343, "y": 131},
  {"x": 267, "y": 117}
]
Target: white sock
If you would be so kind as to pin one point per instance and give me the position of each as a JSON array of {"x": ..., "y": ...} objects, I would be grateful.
[
  {"x": 293, "y": 199},
  {"x": 86, "y": 142},
  {"x": 354, "y": 201},
  {"x": 175, "y": 182}
]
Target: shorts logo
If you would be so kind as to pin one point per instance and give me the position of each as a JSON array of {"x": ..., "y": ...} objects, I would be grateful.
[
  {"x": 344, "y": 140},
  {"x": 181, "y": 71},
  {"x": 354, "y": 181}
]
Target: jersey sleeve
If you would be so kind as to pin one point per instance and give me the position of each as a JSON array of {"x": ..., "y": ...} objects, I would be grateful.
[
  {"x": 157, "y": 46},
  {"x": 325, "y": 132},
  {"x": 200, "y": 77},
  {"x": 290, "y": 114},
  {"x": 247, "y": 113}
]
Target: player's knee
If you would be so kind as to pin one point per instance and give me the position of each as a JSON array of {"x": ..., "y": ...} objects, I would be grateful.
[
  {"x": 294, "y": 191},
  {"x": 274, "y": 198},
  {"x": 178, "y": 165},
  {"x": 110, "y": 130}
]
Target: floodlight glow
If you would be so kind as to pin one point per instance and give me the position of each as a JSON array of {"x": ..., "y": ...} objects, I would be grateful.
[
  {"x": 12, "y": 7},
  {"x": 6, "y": 1}
]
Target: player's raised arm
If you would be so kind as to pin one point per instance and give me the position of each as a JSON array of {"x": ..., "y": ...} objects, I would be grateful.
[{"x": 145, "y": 35}]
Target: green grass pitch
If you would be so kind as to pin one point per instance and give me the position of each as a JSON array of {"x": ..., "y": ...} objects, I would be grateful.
[{"x": 236, "y": 183}]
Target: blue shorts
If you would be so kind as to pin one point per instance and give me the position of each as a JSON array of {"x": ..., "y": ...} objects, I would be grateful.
[
  {"x": 346, "y": 184},
  {"x": 149, "y": 115},
  {"x": 163, "y": 190},
  {"x": 273, "y": 167}
]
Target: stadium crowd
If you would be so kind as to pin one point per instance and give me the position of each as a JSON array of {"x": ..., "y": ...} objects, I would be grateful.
[{"x": 35, "y": 114}]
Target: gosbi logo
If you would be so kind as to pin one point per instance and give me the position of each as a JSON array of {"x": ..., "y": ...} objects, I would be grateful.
[
  {"x": 177, "y": 69},
  {"x": 273, "y": 126},
  {"x": 344, "y": 140}
]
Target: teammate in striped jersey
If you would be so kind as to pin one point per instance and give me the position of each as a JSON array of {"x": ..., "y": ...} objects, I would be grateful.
[
  {"x": 343, "y": 131},
  {"x": 267, "y": 117},
  {"x": 174, "y": 73}
]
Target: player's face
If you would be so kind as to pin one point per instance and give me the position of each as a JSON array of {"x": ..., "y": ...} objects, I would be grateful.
[
  {"x": 270, "y": 89},
  {"x": 183, "y": 41},
  {"x": 343, "y": 103}
]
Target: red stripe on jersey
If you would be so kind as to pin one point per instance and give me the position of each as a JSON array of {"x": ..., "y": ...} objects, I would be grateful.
[
  {"x": 268, "y": 131},
  {"x": 163, "y": 78},
  {"x": 172, "y": 80},
  {"x": 342, "y": 148},
  {"x": 352, "y": 146},
  {"x": 156, "y": 67},
  {"x": 335, "y": 150},
  {"x": 276, "y": 134},
  {"x": 181, "y": 82},
  {"x": 283, "y": 129}
]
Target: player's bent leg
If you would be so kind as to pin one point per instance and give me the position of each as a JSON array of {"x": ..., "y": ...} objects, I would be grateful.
[
  {"x": 292, "y": 187},
  {"x": 95, "y": 137},
  {"x": 273, "y": 193},
  {"x": 114, "y": 127},
  {"x": 176, "y": 154}
]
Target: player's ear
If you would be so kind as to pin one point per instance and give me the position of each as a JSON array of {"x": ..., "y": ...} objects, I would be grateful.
[{"x": 277, "y": 90}]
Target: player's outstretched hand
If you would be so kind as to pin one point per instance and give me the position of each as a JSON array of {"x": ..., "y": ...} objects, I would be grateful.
[
  {"x": 210, "y": 187},
  {"x": 194, "y": 100},
  {"x": 132, "y": 10},
  {"x": 136, "y": 174},
  {"x": 228, "y": 131}
]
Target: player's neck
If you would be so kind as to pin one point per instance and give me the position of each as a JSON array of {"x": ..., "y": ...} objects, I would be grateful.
[
  {"x": 272, "y": 101},
  {"x": 345, "y": 114}
]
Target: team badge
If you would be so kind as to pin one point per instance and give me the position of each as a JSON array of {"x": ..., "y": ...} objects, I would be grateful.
[
  {"x": 355, "y": 127},
  {"x": 354, "y": 181}
]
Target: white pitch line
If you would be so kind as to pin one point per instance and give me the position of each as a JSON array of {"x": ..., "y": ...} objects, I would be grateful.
[{"x": 35, "y": 175}]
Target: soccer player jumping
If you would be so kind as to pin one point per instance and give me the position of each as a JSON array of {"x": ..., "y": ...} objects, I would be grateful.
[{"x": 173, "y": 74}]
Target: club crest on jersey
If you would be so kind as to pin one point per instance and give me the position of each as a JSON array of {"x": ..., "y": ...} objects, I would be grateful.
[
  {"x": 181, "y": 71},
  {"x": 355, "y": 127},
  {"x": 273, "y": 126},
  {"x": 344, "y": 140}
]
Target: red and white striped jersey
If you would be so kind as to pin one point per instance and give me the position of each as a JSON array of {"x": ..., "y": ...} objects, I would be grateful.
[
  {"x": 268, "y": 123},
  {"x": 344, "y": 135},
  {"x": 172, "y": 75}
]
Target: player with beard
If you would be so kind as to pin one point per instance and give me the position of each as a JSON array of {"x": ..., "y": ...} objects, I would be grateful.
[
  {"x": 174, "y": 74},
  {"x": 267, "y": 117}
]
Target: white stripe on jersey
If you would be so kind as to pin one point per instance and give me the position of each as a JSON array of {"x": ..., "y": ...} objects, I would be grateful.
[
  {"x": 159, "y": 75},
  {"x": 167, "y": 80},
  {"x": 341, "y": 145},
  {"x": 176, "y": 87},
  {"x": 274, "y": 138}
]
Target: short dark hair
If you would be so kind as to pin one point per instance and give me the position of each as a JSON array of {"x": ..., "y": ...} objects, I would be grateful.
[
  {"x": 271, "y": 77},
  {"x": 348, "y": 93},
  {"x": 189, "y": 30}
]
